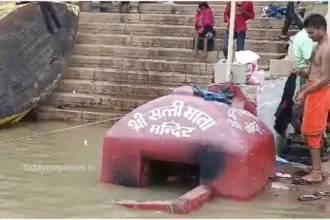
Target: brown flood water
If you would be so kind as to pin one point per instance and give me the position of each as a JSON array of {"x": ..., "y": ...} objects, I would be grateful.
[{"x": 79, "y": 194}]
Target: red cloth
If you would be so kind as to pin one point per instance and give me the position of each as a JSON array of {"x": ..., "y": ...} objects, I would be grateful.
[
  {"x": 199, "y": 22},
  {"x": 208, "y": 19},
  {"x": 316, "y": 110},
  {"x": 202, "y": 19},
  {"x": 240, "y": 19}
]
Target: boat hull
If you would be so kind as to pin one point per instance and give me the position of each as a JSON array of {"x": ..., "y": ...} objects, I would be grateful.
[{"x": 33, "y": 59}]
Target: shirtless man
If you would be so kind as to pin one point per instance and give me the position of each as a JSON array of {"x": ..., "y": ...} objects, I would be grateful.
[{"x": 315, "y": 97}]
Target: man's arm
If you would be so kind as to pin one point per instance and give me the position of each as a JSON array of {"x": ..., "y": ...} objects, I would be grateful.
[
  {"x": 248, "y": 12},
  {"x": 305, "y": 74},
  {"x": 325, "y": 73}
]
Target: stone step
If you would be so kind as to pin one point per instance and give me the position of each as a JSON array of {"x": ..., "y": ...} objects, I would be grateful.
[
  {"x": 69, "y": 99},
  {"x": 174, "y": 42},
  {"x": 170, "y": 30},
  {"x": 141, "y": 64},
  {"x": 51, "y": 112},
  {"x": 188, "y": 20},
  {"x": 136, "y": 77},
  {"x": 256, "y": 3},
  {"x": 183, "y": 9},
  {"x": 171, "y": 54},
  {"x": 113, "y": 89}
]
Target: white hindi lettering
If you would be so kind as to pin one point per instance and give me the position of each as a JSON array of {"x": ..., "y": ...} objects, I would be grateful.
[
  {"x": 248, "y": 114},
  {"x": 233, "y": 113},
  {"x": 174, "y": 110},
  {"x": 192, "y": 114},
  {"x": 138, "y": 122},
  {"x": 200, "y": 118},
  {"x": 252, "y": 128},
  {"x": 155, "y": 114},
  {"x": 203, "y": 120},
  {"x": 172, "y": 128},
  {"x": 235, "y": 124}
]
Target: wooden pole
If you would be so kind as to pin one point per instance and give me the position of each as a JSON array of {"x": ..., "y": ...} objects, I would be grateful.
[{"x": 231, "y": 39}]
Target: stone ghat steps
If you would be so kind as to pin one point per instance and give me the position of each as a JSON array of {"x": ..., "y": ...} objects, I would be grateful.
[
  {"x": 52, "y": 112},
  {"x": 168, "y": 19},
  {"x": 132, "y": 77},
  {"x": 196, "y": 68},
  {"x": 140, "y": 91},
  {"x": 94, "y": 101},
  {"x": 186, "y": 9},
  {"x": 256, "y": 3},
  {"x": 155, "y": 54},
  {"x": 170, "y": 30},
  {"x": 172, "y": 42}
]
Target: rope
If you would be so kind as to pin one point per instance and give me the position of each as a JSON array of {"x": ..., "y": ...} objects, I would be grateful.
[{"x": 56, "y": 131}]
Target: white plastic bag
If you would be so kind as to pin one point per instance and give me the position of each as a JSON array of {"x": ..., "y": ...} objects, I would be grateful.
[
  {"x": 250, "y": 59},
  {"x": 246, "y": 56}
]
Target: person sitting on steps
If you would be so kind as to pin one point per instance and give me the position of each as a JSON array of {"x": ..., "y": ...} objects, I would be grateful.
[{"x": 204, "y": 22}]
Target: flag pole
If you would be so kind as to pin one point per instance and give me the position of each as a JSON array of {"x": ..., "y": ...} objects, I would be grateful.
[{"x": 230, "y": 39}]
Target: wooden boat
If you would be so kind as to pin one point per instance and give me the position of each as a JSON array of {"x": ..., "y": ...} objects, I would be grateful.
[{"x": 36, "y": 42}]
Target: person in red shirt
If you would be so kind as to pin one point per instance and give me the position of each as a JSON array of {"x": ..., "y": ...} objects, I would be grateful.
[
  {"x": 204, "y": 21},
  {"x": 244, "y": 11}
]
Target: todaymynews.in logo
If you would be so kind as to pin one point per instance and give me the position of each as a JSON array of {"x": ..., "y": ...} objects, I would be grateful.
[{"x": 42, "y": 168}]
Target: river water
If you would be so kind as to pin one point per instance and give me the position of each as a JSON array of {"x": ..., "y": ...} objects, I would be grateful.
[{"x": 27, "y": 192}]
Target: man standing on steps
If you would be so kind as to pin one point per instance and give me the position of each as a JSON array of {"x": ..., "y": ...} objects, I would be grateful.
[
  {"x": 291, "y": 15},
  {"x": 244, "y": 11}
]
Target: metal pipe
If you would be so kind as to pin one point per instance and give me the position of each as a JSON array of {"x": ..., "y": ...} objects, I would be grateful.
[{"x": 231, "y": 39}]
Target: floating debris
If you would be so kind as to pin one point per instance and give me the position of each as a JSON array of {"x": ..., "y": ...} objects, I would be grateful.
[
  {"x": 281, "y": 161},
  {"x": 283, "y": 175},
  {"x": 277, "y": 185}
]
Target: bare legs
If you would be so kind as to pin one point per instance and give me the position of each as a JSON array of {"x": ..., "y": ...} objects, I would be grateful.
[
  {"x": 205, "y": 47},
  {"x": 315, "y": 174},
  {"x": 195, "y": 44}
]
